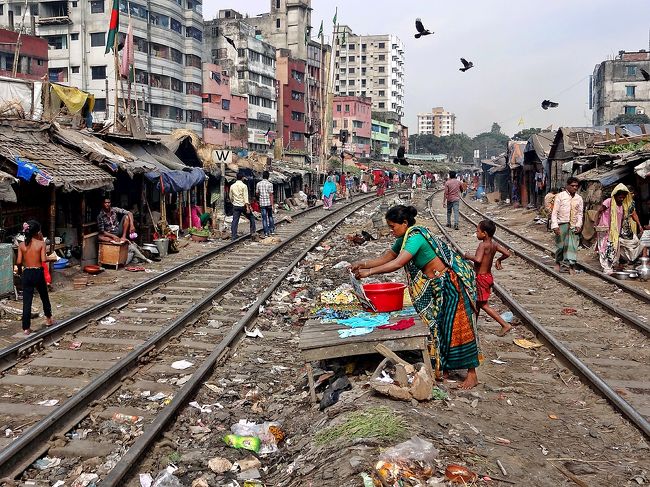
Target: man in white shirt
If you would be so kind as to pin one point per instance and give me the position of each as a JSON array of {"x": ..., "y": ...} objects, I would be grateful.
[
  {"x": 240, "y": 205},
  {"x": 566, "y": 223}
]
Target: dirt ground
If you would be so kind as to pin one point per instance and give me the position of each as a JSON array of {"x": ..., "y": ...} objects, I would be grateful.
[{"x": 530, "y": 413}]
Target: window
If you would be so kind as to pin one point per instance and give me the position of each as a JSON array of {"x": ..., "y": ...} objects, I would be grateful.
[
  {"x": 33, "y": 10},
  {"x": 382, "y": 105},
  {"x": 225, "y": 104},
  {"x": 297, "y": 116},
  {"x": 363, "y": 83},
  {"x": 347, "y": 108},
  {"x": 277, "y": 24},
  {"x": 382, "y": 81},
  {"x": 74, "y": 4},
  {"x": 363, "y": 71},
  {"x": 351, "y": 59},
  {"x": 193, "y": 61},
  {"x": 382, "y": 45},
  {"x": 240, "y": 74},
  {"x": 97, "y": 7},
  {"x": 277, "y": 3},
  {"x": 363, "y": 47},
  {"x": 345, "y": 123},
  {"x": 2, "y": 9},
  {"x": 351, "y": 70},
  {"x": 351, "y": 47},
  {"x": 98, "y": 39},
  {"x": 343, "y": 71},
  {"x": 74, "y": 69},
  {"x": 74, "y": 36},
  {"x": 357, "y": 124},
  {"x": 176, "y": 26},
  {"x": 382, "y": 93},
  {"x": 98, "y": 72},
  {"x": 334, "y": 124},
  {"x": 630, "y": 110},
  {"x": 100, "y": 105},
  {"x": 57, "y": 74},
  {"x": 225, "y": 128},
  {"x": 296, "y": 136},
  {"x": 56, "y": 42},
  {"x": 382, "y": 69},
  {"x": 296, "y": 95},
  {"x": 338, "y": 108},
  {"x": 363, "y": 59},
  {"x": 382, "y": 57},
  {"x": 630, "y": 91},
  {"x": 630, "y": 70}
]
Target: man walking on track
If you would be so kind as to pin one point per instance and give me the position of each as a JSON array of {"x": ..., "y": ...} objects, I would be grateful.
[
  {"x": 264, "y": 192},
  {"x": 240, "y": 205},
  {"x": 451, "y": 198},
  {"x": 566, "y": 223}
]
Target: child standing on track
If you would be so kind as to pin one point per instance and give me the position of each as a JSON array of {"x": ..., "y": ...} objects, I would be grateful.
[
  {"x": 482, "y": 259},
  {"x": 31, "y": 255}
]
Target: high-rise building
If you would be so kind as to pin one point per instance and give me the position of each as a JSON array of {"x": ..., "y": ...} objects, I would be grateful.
[
  {"x": 353, "y": 114},
  {"x": 251, "y": 67},
  {"x": 225, "y": 115},
  {"x": 292, "y": 88},
  {"x": 618, "y": 87},
  {"x": 168, "y": 47},
  {"x": 438, "y": 122},
  {"x": 318, "y": 59},
  {"x": 286, "y": 26},
  {"x": 370, "y": 66}
]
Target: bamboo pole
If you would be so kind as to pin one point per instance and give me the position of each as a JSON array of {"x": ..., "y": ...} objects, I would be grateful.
[{"x": 117, "y": 74}]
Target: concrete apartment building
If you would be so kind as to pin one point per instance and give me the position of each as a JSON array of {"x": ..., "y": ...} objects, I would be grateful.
[
  {"x": 438, "y": 122},
  {"x": 251, "y": 67},
  {"x": 618, "y": 87},
  {"x": 225, "y": 115},
  {"x": 286, "y": 25},
  {"x": 168, "y": 47},
  {"x": 32, "y": 55},
  {"x": 354, "y": 114},
  {"x": 292, "y": 88},
  {"x": 370, "y": 66}
]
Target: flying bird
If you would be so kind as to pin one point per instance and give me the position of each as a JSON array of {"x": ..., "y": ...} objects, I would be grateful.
[
  {"x": 230, "y": 41},
  {"x": 646, "y": 75},
  {"x": 309, "y": 135},
  {"x": 466, "y": 64},
  {"x": 421, "y": 30},
  {"x": 546, "y": 104}
]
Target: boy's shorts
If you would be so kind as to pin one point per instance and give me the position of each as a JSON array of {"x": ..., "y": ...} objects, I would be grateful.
[{"x": 484, "y": 283}]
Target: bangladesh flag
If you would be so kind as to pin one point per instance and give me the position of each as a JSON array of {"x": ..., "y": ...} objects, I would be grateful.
[{"x": 114, "y": 26}]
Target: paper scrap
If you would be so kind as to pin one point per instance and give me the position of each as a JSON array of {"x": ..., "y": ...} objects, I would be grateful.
[
  {"x": 182, "y": 365},
  {"x": 527, "y": 344},
  {"x": 49, "y": 402}
]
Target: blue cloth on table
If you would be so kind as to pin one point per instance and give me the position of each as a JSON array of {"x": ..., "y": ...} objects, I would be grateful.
[
  {"x": 365, "y": 320},
  {"x": 353, "y": 332}
]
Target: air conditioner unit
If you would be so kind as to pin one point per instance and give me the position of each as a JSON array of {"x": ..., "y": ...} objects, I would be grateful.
[{"x": 640, "y": 111}]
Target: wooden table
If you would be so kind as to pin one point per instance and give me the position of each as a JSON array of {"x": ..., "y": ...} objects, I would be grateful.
[{"x": 320, "y": 341}]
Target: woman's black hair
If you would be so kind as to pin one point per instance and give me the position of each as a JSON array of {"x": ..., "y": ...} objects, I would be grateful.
[
  {"x": 30, "y": 228},
  {"x": 401, "y": 214}
]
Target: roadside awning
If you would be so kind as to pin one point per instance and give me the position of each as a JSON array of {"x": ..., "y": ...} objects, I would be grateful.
[
  {"x": 28, "y": 147},
  {"x": 604, "y": 177}
]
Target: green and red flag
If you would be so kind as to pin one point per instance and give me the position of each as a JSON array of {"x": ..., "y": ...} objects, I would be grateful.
[{"x": 114, "y": 26}]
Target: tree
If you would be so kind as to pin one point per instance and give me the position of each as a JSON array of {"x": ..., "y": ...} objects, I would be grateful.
[
  {"x": 496, "y": 128},
  {"x": 630, "y": 118},
  {"x": 240, "y": 134},
  {"x": 525, "y": 134}
]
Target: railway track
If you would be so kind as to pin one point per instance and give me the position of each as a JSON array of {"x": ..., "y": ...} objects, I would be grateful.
[
  {"x": 595, "y": 326},
  {"x": 158, "y": 342}
]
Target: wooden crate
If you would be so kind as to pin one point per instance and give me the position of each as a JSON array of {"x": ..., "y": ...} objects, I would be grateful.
[{"x": 113, "y": 254}]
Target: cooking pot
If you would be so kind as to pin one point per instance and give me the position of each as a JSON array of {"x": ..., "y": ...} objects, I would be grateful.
[{"x": 644, "y": 269}]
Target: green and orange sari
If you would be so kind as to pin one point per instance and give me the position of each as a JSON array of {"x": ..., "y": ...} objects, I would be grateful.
[{"x": 447, "y": 304}]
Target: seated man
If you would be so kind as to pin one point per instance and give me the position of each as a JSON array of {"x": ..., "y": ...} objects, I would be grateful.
[{"x": 114, "y": 224}]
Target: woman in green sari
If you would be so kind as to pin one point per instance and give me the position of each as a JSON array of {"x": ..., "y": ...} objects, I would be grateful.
[{"x": 442, "y": 286}]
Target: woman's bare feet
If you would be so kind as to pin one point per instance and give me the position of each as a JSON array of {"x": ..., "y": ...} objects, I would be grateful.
[{"x": 470, "y": 381}]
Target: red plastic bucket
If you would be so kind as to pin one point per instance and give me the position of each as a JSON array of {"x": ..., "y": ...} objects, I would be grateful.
[{"x": 386, "y": 296}]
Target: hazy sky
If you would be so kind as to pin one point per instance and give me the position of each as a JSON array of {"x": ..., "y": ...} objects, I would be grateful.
[{"x": 523, "y": 50}]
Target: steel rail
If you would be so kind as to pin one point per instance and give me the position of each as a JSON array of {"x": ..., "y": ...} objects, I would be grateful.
[
  {"x": 632, "y": 414},
  {"x": 588, "y": 269},
  {"x": 9, "y": 355},
  {"x": 131, "y": 458},
  {"x": 625, "y": 315},
  {"x": 18, "y": 455}
]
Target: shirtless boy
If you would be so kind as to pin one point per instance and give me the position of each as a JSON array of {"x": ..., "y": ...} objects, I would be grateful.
[
  {"x": 483, "y": 258},
  {"x": 31, "y": 255}
]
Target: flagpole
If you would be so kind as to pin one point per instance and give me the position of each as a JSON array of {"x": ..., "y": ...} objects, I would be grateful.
[
  {"x": 130, "y": 67},
  {"x": 117, "y": 74}
]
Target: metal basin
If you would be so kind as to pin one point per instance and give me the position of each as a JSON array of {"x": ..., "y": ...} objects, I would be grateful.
[{"x": 624, "y": 275}]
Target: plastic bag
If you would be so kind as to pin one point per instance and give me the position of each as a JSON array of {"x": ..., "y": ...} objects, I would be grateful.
[
  {"x": 166, "y": 478},
  {"x": 415, "y": 449},
  {"x": 263, "y": 431}
]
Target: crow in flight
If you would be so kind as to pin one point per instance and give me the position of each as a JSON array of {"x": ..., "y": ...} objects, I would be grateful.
[
  {"x": 466, "y": 64},
  {"x": 646, "y": 75},
  {"x": 309, "y": 135},
  {"x": 546, "y": 104},
  {"x": 421, "y": 30}
]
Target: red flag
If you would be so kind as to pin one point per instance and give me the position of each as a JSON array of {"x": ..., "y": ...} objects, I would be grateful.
[{"x": 114, "y": 26}]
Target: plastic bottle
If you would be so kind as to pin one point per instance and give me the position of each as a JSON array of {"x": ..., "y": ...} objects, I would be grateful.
[
  {"x": 252, "y": 443},
  {"x": 125, "y": 418}
]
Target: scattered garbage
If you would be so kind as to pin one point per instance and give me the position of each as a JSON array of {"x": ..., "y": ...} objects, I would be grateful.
[
  {"x": 402, "y": 381},
  {"x": 207, "y": 408},
  {"x": 507, "y": 316},
  {"x": 254, "y": 333},
  {"x": 251, "y": 443},
  {"x": 122, "y": 418},
  {"x": 48, "y": 402},
  {"x": 182, "y": 365},
  {"x": 166, "y": 478},
  {"x": 411, "y": 462},
  {"x": 341, "y": 265},
  {"x": 109, "y": 320},
  {"x": 85, "y": 479},
  {"x": 75, "y": 345},
  {"x": 527, "y": 344},
  {"x": 459, "y": 474},
  {"x": 47, "y": 462},
  {"x": 219, "y": 464},
  {"x": 569, "y": 311},
  {"x": 498, "y": 362},
  {"x": 261, "y": 438},
  {"x": 333, "y": 391}
]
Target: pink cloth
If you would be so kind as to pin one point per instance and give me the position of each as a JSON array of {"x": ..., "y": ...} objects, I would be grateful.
[
  {"x": 605, "y": 221},
  {"x": 452, "y": 190},
  {"x": 400, "y": 325}
]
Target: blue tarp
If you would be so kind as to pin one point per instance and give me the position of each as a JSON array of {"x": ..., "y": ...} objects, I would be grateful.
[{"x": 175, "y": 181}]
